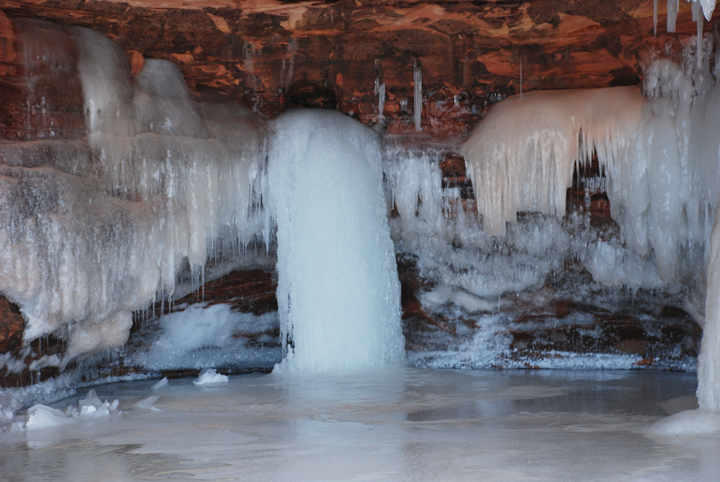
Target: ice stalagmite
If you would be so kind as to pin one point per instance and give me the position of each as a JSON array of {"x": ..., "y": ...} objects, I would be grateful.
[{"x": 338, "y": 291}]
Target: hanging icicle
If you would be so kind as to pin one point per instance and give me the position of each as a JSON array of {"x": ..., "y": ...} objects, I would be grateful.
[
  {"x": 417, "y": 77},
  {"x": 672, "y": 11},
  {"x": 698, "y": 18},
  {"x": 655, "y": 15},
  {"x": 380, "y": 93},
  {"x": 708, "y": 7}
]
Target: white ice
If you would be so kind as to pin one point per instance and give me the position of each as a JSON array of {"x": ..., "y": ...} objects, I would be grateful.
[
  {"x": 210, "y": 378},
  {"x": 92, "y": 233},
  {"x": 198, "y": 336},
  {"x": 338, "y": 291},
  {"x": 418, "y": 98}
]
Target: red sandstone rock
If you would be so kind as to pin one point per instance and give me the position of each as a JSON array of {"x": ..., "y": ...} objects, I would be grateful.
[
  {"x": 42, "y": 98},
  {"x": 256, "y": 50},
  {"x": 12, "y": 326}
]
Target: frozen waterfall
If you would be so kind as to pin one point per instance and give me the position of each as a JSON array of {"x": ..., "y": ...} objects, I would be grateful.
[{"x": 338, "y": 290}]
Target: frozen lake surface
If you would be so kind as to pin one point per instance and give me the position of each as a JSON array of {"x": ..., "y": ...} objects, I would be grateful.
[{"x": 395, "y": 424}]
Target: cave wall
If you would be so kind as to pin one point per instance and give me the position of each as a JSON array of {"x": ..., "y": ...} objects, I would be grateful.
[{"x": 274, "y": 53}]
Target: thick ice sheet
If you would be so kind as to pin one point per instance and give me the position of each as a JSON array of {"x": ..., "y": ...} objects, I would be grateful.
[{"x": 394, "y": 425}]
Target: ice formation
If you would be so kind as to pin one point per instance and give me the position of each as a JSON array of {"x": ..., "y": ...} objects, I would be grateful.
[
  {"x": 660, "y": 158},
  {"x": 709, "y": 360},
  {"x": 380, "y": 93},
  {"x": 200, "y": 336},
  {"x": 418, "y": 100},
  {"x": 338, "y": 291},
  {"x": 210, "y": 378},
  {"x": 92, "y": 231},
  {"x": 42, "y": 417}
]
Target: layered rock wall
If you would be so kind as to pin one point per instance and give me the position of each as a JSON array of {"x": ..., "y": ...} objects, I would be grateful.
[{"x": 471, "y": 53}]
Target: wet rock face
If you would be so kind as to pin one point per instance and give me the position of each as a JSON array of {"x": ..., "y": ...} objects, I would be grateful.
[
  {"x": 12, "y": 326},
  {"x": 40, "y": 86},
  {"x": 472, "y": 53}
]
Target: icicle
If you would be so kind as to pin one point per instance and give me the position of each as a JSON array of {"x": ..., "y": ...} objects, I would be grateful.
[
  {"x": 417, "y": 75},
  {"x": 672, "y": 11},
  {"x": 655, "y": 15},
  {"x": 699, "y": 22},
  {"x": 708, "y": 6},
  {"x": 380, "y": 93},
  {"x": 521, "y": 78}
]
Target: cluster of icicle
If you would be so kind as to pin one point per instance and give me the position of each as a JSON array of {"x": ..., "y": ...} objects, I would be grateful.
[
  {"x": 660, "y": 158},
  {"x": 706, "y": 6},
  {"x": 90, "y": 234},
  {"x": 698, "y": 9}
]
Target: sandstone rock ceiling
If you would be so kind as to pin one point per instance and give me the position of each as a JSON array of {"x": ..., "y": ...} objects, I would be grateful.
[{"x": 272, "y": 53}]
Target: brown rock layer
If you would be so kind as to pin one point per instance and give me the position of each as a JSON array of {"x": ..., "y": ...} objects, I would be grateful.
[
  {"x": 40, "y": 87},
  {"x": 470, "y": 52},
  {"x": 12, "y": 326}
]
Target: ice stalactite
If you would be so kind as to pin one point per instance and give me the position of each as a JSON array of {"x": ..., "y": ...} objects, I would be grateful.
[
  {"x": 698, "y": 19},
  {"x": 90, "y": 236},
  {"x": 380, "y": 93},
  {"x": 655, "y": 17},
  {"x": 672, "y": 11},
  {"x": 708, "y": 7},
  {"x": 338, "y": 291},
  {"x": 524, "y": 151},
  {"x": 660, "y": 154},
  {"x": 434, "y": 225},
  {"x": 417, "y": 79}
]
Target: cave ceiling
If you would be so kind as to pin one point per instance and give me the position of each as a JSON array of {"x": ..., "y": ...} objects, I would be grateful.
[{"x": 272, "y": 54}]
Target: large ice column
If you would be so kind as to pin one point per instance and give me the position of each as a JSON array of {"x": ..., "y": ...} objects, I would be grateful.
[
  {"x": 89, "y": 234},
  {"x": 708, "y": 392},
  {"x": 338, "y": 291}
]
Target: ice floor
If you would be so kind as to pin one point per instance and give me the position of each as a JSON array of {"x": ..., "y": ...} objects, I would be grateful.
[{"x": 399, "y": 424}]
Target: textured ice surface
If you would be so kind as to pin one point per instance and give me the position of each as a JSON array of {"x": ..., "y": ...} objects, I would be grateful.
[
  {"x": 338, "y": 291},
  {"x": 97, "y": 228},
  {"x": 203, "y": 336},
  {"x": 657, "y": 156},
  {"x": 396, "y": 425}
]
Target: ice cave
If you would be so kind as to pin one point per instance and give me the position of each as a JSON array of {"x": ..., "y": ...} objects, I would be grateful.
[{"x": 335, "y": 240}]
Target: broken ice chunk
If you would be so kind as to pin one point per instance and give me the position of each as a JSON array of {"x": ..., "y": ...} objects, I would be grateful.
[
  {"x": 147, "y": 402},
  {"x": 210, "y": 377},
  {"x": 161, "y": 385},
  {"x": 42, "y": 416}
]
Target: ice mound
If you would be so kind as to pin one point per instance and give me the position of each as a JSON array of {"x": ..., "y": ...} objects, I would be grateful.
[
  {"x": 687, "y": 423},
  {"x": 210, "y": 377},
  {"x": 42, "y": 417},
  {"x": 199, "y": 335}
]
